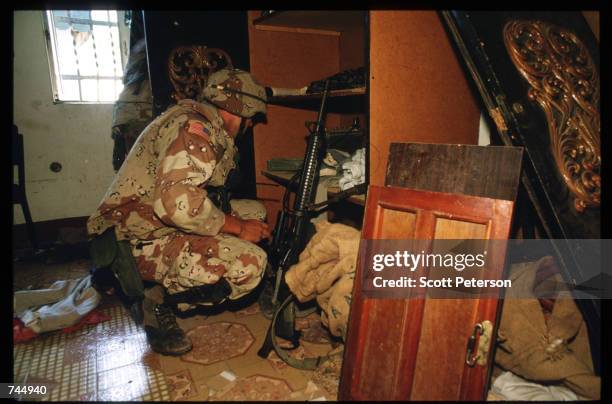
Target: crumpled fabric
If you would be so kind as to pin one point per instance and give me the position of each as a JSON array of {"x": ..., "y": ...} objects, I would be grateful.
[
  {"x": 326, "y": 271},
  {"x": 21, "y": 333},
  {"x": 62, "y": 305},
  {"x": 514, "y": 388},
  {"x": 553, "y": 350},
  {"x": 353, "y": 171}
]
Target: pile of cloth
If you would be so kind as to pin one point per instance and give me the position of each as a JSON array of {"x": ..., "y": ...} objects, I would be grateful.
[
  {"x": 326, "y": 272},
  {"x": 66, "y": 305},
  {"x": 543, "y": 343},
  {"x": 353, "y": 171},
  {"x": 543, "y": 340}
]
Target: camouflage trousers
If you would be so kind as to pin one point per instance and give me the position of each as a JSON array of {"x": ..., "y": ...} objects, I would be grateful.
[{"x": 180, "y": 261}]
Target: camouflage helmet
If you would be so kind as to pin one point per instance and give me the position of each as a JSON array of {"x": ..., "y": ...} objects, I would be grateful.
[{"x": 236, "y": 91}]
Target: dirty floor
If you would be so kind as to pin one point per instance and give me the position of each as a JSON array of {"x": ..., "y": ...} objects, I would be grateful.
[{"x": 111, "y": 361}]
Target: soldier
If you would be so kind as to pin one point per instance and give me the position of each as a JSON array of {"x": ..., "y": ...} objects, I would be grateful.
[{"x": 157, "y": 203}]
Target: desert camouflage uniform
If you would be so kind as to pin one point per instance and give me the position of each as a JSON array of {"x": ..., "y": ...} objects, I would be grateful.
[{"x": 159, "y": 190}]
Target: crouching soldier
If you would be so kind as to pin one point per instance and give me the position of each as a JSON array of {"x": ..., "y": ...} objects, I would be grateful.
[{"x": 158, "y": 222}]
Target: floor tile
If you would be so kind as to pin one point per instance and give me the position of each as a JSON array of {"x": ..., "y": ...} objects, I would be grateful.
[
  {"x": 121, "y": 350},
  {"x": 181, "y": 385},
  {"x": 171, "y": 364},
  {"x": 218, "y": 341},
  {"x": 152, "y": 360},
  {"x": 130, "y": 382},
  {"x": 191, "y": 322},
  {"x": 248, "y": 311},
  {"x": 256, "y": 387},
  {"x": 256, "y": 323},
  {"x": 263, "y": 368}
]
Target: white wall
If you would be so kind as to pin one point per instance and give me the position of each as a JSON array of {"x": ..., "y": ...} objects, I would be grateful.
[
  {"x": 75, "y": 135},
  {"x": 484, "y": 131}
]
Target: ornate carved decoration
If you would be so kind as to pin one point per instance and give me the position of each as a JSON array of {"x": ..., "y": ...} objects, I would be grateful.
[
  {"x": 190, "y": 66},
  {"x": 565, "y": 83}
]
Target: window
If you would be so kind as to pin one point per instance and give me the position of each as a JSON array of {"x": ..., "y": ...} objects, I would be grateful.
[{"x": 84, "y": 55}]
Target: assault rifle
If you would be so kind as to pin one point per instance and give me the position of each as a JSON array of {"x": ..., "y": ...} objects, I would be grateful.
[{"x": 293, "y": 230}]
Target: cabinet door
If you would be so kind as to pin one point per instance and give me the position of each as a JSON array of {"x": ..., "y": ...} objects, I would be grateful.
[
  {"x": 538, "y": 75},
  {"x": 415, "y": 348}
]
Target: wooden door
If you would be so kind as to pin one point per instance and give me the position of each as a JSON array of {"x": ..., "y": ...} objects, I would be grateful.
[{"x": 415, "y": 348}]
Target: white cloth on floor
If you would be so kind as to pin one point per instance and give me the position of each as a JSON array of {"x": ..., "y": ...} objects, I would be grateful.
[
  {"x": 514, "y": 388},
  {"x": 61, "y": 305}
]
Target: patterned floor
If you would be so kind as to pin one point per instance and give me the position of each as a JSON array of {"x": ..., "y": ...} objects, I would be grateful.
[{"x": 111, "y": 361}]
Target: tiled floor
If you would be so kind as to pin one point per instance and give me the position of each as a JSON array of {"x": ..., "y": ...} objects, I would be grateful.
[{"x": 112, "y": 361}]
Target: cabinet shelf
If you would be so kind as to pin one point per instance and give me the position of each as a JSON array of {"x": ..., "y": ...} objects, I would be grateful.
[
  {"x": 312, "y": 21},
  {"x": 283, "y": 177},
  {"x": 317, "y": 96},
  {"x": 349, "y": 100}
]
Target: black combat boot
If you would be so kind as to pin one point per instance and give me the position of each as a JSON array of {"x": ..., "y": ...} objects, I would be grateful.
[{"x": 163, "y": 333}]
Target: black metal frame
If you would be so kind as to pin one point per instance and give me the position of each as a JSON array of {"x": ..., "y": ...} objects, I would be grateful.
[{"x": 477, "y": 58}]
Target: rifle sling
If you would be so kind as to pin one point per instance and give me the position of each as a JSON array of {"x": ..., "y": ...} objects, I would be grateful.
[
  {"x": 306, "y": 363},
  {"x": 214, "y": 293}
]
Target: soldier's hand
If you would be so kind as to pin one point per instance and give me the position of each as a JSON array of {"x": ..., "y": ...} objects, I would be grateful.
[{"x": 253, "y": 230}]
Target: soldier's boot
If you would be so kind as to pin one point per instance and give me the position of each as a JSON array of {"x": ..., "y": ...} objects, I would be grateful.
[{"x": 163, "y": 333}]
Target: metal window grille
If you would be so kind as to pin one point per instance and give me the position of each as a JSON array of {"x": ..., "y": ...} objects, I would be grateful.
[{"x": 84, "y": 55}]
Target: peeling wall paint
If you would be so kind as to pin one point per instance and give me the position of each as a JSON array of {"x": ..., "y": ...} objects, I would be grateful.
[{"x": 75, "y": 135}]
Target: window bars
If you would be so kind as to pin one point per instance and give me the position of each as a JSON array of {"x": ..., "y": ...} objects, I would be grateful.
[{"x": 84, "y": 55}]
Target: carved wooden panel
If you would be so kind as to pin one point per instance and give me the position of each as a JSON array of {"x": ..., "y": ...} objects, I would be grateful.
[
  {"x": 190, "y": 66},
  {"x": 564, "y": 82}
]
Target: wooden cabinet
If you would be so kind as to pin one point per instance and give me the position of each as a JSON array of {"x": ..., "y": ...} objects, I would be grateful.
[
  {"x": 291, "y": 49},
  {"x": 418, "y": 90},
  {"x": 415, "y": 89}
]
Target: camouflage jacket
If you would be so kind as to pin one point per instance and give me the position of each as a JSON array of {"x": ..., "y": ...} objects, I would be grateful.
[{"x": 160, "y": 187}]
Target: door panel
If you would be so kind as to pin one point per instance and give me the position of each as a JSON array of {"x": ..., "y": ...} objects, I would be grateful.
[{"x": 397, "y": 225}]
